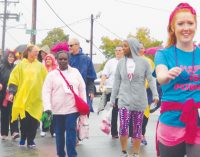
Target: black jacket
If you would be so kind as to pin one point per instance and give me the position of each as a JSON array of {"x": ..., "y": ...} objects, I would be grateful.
[{"x": 5, "y": 70}]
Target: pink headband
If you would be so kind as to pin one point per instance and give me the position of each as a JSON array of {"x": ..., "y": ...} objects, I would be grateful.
[{"x": 179, "y": 7}]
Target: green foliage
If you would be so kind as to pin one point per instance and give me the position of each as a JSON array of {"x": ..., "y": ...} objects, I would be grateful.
[
  {"x": 142, "y": 34},
  {"x": 54, "y": 36},
  {"x": 109, "y": 45}
]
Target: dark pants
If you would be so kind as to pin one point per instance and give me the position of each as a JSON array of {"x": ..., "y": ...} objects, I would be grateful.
[
  {"x": 114, "y": 127},
  {"x": 144, "y": 124},
  {"x": 51, "y": 128},
  {"x": 28, "y": 128},
  {"x": 89, "y": 102},
  {"x": 66, "y": 123},
  {"x": 6, "y": 121},
  {"x": 176, "y": 151},
  {"x": 180, "y": 150}
]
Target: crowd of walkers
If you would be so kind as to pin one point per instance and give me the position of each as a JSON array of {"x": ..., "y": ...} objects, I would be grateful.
[{"x": 33, "y": 92}]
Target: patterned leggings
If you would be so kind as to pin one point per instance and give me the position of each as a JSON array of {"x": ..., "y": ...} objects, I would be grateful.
[{"x": 125, "y": 115}]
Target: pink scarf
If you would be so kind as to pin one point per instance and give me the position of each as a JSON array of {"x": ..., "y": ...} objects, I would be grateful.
[{"x": 188, "y": 116}]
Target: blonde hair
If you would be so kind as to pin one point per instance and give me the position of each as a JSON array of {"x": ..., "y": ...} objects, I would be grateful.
[{"x": 28, "y": 49}]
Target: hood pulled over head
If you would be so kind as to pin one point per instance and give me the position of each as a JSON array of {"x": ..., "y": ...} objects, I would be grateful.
[{"x": 134, "y": 46}]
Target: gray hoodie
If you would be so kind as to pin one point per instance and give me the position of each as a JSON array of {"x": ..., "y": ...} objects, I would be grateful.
[{"x": 132, "y": 94}]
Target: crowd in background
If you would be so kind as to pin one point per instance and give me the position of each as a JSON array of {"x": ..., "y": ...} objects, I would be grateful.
[{"x": 32, "y": 91}]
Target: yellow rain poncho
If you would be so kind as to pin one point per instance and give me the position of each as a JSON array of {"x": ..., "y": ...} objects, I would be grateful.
[{"x": 29, "y": 78}]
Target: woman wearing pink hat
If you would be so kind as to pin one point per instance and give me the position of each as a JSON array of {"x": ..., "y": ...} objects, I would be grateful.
[{"x": 178, "y": 72}]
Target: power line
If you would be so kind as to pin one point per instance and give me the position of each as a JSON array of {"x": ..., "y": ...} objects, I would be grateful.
[
  {"x": 143, "y": 6},
  {"x": 5, "y": 16},
  {"x": 107, "y": 29},
  {"x": 73, "y": 23},
  {"x": 64, "y": 22},
  {"x": 11, "y": 35},
  {"x": 48, "y": 29},
  {"x": 17, "y": 41},
  {"x": 99, "y": 50}
]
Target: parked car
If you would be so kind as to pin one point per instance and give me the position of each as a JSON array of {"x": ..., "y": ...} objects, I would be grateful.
[{"x": 97, "y": 84}]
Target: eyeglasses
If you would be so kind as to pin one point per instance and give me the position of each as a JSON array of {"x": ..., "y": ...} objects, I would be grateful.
[{"x": 72, "y": 45}]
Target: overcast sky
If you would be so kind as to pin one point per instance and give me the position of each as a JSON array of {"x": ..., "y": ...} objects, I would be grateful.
[{"x": 118, "y": 18}]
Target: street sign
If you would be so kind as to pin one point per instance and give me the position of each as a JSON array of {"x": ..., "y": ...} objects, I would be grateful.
[{"x": 30, "y": 31}]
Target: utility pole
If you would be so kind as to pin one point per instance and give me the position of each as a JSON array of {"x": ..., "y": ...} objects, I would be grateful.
[
  {"x": 4, "y": 26},
  {"x": 91, "y": 36},
  {"x": 91, "y": 32},
  {"x": 34, "y": 15},
  {"x": 6, "y": 16}
]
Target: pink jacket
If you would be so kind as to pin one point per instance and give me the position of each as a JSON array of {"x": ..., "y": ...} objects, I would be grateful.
[{"x": 56, "y": 95}]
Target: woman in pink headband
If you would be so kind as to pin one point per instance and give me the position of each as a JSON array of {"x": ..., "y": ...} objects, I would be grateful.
[{"x": 178, "y": 72}]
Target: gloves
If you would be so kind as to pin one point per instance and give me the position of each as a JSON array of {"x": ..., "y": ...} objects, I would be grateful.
[{"x": 47, "y": 118}]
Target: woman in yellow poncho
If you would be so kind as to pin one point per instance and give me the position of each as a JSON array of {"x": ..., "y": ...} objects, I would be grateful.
[{"x": 25, "y": 86}]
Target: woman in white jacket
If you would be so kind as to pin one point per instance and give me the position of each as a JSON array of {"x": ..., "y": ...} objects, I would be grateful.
[{"x": 59, "y": 100}]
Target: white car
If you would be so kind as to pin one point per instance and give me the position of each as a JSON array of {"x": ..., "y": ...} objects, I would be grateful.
[{"x": 97, "y": 83}]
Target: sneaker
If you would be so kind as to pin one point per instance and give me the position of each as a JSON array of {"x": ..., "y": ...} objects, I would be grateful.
[
  {"x": 4, "y": 137},
  {"x": 22, "y": 143},
  {"x": 54, "y": 134},
  {"x": 31, "y": 145},
  {"x": 115, "y": 136},
  {"x": 124, "y": 155},
  {"x": 15, "y": 135},
  {"x": 134, "y": 155},
  {"x": 42, "y": 134}
]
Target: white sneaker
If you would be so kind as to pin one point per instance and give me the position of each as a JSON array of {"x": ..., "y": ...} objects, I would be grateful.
[
  {"x": 4, "y": 137},
  {"x": 124, "y": 155},
  {"x": 135, "y": 155},
  {"x": 15, "y": 135},
  {"x": 42, "y": 134}
]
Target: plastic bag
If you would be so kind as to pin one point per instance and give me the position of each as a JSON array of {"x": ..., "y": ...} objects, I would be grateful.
[
  {"x": 83, "y": 128},
  {"x": 102, "y": 103},
  {"x": 103, "y": 99},
  {"x": 47, "y": 119},
  {"x": 105, "y": 125}
]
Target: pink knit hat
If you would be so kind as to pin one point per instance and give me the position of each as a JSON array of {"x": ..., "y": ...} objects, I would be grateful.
[
  {"x": 61, "y": 46},
  {"x": 179, "y": 7}
]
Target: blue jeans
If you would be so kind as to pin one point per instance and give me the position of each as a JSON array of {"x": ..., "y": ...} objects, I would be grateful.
[
  {"x": 66, "y": 123},
  {"x": 89, "y": 101}
]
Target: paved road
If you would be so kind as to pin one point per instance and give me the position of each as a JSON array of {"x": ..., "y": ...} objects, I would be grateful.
[{"x": 98, "y": 145}]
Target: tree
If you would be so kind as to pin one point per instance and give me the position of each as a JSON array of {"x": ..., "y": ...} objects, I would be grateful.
[
  {"x": 109, "y": 45},
  {"x": 54, "y": 36},
  {"x": 142, "y": 34}
]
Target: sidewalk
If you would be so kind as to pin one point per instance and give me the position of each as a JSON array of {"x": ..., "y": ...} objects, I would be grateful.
[{"x": 98, "y": 145}]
